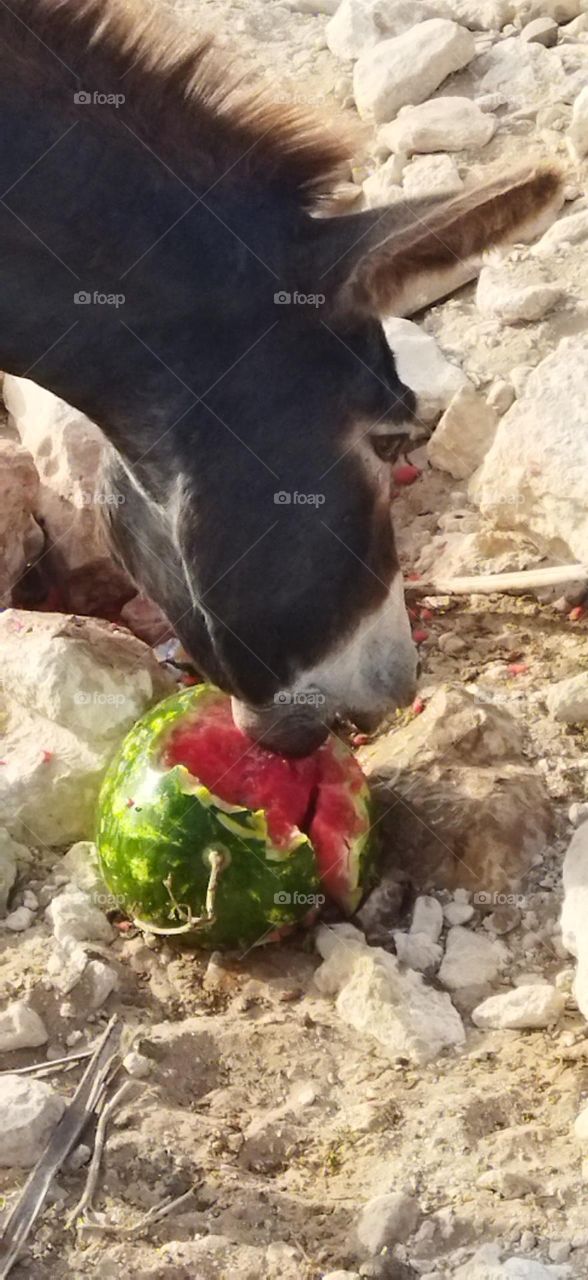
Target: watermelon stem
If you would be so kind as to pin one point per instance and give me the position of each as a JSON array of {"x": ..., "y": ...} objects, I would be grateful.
[{"x": 218, "y": 861}]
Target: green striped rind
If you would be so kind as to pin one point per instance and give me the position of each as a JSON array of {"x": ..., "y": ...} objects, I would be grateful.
[{"x": 159, "y": 825}]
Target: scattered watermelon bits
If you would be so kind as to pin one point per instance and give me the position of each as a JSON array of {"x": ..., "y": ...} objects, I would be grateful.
[
  {"x": 517, "y": 668},
  {"x": 419, "y": 636},
  {"x": 576, "y": 614},
  {"x": 205, "y": 834},
  {"x": 405, "y": 473}
]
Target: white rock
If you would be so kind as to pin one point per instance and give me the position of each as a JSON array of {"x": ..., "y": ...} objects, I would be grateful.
[
  {"x": 427, "y": 917},
  {"x": 373, "y": 995},
  {"x": 382, "y": 186},
  {"x": 443, "y": 124},
  {"x": 498, "y": 295},
  {"x": 542, "y": 30},
  {"x": 29, "y": 1112},
  {"x": 572, "y": 229},
  {"x": 500, "y": 396},
  {"x": 75, "y": 919},
  {"x": 80, "y": 865},
  {"x": 359, "y": 25},
  {"x": 578, "y": 131},
  {"x": 478, "y": 15},
  {"x": 137, "y": 1065},
  {"x": 567, "y": 700},
  {"x": 342, "y": 1275},
  {"x": 423, "y": 367},
  {"x": 462, "y": 438},
  {"x": 409, "y": 67},
  {"x": 30, "y": 900},
  {"x": 11, "y": 853},
  {"x": 431, "y": 176},
  {"x": 71, "y": 688},
  {"x": 417, "y": 951},
  {"x": 541, "y": 490},
  {"x": 581, "y": 1125},
  {"x": 575, "y": 911},
  {"x": 21, "y": 1028},
  {"x": 526, "y": 74},
  {"x": 66, "y": 965},
  {"x": 457, "y": 913},
  {"x": 385, "y": 1221},
  {"x": 486, "y": 1265},
  {"x": 524, "y": 1007},
  {"x": 471, "y": 959},
  {"x": 102, "y": 981},
  {"x": 20, "y": 920}
]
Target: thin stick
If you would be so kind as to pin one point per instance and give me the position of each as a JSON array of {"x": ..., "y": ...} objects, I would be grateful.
[
  {"x": 70, "y": 1127},
  {"x": 155, "y": 1214},
  {"x": 87, "y": 1196},
  {"x": 486, "y": 584},
  {"x": 44, "y": 1068}
]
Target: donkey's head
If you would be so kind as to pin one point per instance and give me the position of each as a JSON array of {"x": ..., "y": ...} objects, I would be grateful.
[{"x": 288, "y": 542}]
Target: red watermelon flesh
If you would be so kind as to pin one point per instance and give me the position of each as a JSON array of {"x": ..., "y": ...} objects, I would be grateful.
[{"x": 316, "y": 794}]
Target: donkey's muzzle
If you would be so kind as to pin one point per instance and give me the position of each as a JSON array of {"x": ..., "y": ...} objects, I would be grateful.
[{"x": 289, "y": 730}]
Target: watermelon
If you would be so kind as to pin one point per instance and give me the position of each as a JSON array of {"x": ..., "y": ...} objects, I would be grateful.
[{"x": 207, "y": 836}]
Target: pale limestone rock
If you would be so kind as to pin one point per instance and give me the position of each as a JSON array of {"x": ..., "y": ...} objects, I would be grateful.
[
  {"x": 478, "y": 15},
  {"x": 359, "y": 25},
  {"x": 575, "y": 911},
  {"x": 409, "y": 67},
  {"x": 567, "y": 700},
  {"x": 11, "y": 854},
  {"x": 541, "y": 31},
  {"x": 417, "y": 951},
  {"x": 540, "y": 489},
  {"x": 387, "y": 1220},
  {"x": 29, "y": 1112},
  {"x": 422, "y": 366},
  {"x": 74, "y": 919},
  {"x": 463, "y": 436},
  {"x": 572, "y": 229},
  {"x": 527, "y": 75},
  {"x": 383, "y": 186},
  {"x": 436, "y": 175},
  {"x": 373, "y": 995},
  {"x": 578, "y": 131},
  {"x": 442, "y": 124},
  {"x": 21, "y": 1028},
  {"x": 427, "y": 917},
  {"x": 525, "y": 1007},
  {"x": 501, "y": 296},
  {"x": 470, "y": 959},
  {"x": 70, "y": 689}
]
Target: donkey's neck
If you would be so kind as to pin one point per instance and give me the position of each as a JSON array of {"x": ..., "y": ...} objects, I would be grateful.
[{"x": 123, "y": 290}]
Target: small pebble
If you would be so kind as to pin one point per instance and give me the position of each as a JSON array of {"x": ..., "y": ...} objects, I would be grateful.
[
  {"x": 19, "y": 920},
  {"x": 137, "y": 1065}
]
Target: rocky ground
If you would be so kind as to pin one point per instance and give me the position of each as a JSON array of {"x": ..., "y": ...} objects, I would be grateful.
[{"x": 405, "y": 1096}]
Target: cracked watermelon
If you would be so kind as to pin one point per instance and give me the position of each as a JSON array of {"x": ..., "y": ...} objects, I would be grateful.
[{"x": 207, "y": 836}]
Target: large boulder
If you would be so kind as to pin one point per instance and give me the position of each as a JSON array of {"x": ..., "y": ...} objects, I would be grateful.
[
  {"x": 68, "y": 452},
  {"x": 456, "y": 803},
  {"x": 29, "y": 1112},
  {"x": 409, "y": 67},
  {"x": 539, "y": 487},
  {"x": 70, "y": 688},
  {"x": 20, "y": 536},
  {"x": 360, "y": 24}
]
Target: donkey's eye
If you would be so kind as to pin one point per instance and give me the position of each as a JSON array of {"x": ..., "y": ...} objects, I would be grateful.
[{"x": 389, "y": 447}]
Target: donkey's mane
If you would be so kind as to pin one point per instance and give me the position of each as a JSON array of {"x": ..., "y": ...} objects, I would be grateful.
[{"x": 181, "y": 98}]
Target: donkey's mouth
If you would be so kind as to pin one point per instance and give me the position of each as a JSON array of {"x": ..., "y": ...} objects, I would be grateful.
[{"x": 289, "y": 730}]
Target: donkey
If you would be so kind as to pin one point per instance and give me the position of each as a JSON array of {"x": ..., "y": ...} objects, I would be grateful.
[{"x": 171, "y": 266}]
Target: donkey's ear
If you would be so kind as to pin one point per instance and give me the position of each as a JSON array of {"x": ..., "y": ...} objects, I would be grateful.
[{"x": 400, "y": 258}]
